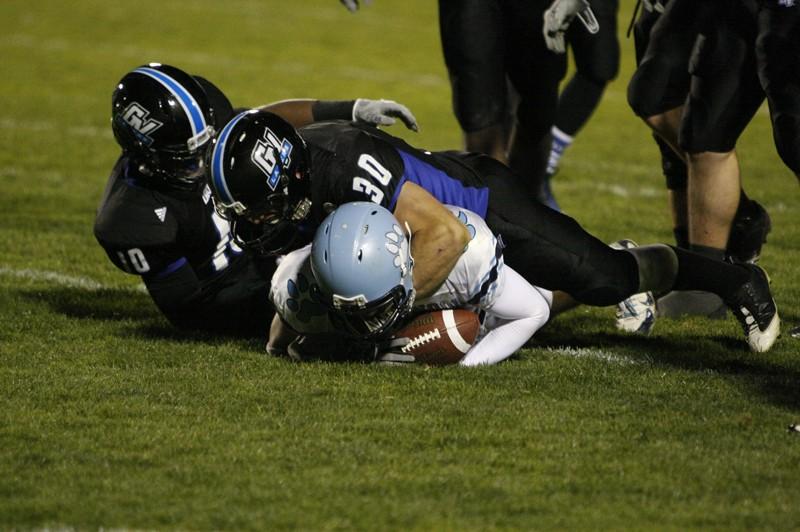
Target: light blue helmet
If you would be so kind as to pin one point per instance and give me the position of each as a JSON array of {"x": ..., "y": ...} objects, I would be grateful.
[{"x": 361, "y": 259}]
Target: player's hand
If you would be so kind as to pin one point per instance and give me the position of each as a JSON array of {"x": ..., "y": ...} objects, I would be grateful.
[
  {"x": 389, "y": 352},
  {"x": 301, "y": 349},
  {"x": 352, "y": 5},
  {"x": 559, "y": 16},
  {"x": 383, "y": 113}
]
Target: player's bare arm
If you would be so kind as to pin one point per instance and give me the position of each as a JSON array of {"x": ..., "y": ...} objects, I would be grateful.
[
  {"x": 302, "y": 112},
  {"x": 437, "y": 237}
]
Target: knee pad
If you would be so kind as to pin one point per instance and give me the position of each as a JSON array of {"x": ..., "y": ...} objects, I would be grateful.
[
  {"x": 673, "y": 167},
  {"x": 786, "y": 130}
]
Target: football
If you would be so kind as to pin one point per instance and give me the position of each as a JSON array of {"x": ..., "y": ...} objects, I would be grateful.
[{"x": 440, "y": 337}]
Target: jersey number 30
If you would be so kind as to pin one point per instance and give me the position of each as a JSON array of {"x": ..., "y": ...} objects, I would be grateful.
[{"x": 376, "y": 170}]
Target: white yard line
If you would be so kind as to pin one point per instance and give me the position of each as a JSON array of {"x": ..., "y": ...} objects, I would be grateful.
[
  {"x": 42, "y": 125},
  {"x": 62, "y": 279},
  {"x": 598, "y": 354}
]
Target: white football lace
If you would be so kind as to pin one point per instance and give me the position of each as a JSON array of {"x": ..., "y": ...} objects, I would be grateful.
[{"x": 422, "y": 339}]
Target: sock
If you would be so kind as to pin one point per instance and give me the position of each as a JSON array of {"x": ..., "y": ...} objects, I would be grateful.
[
  {"x": 706, "y": 251},
  {"x": 561, "y": 142},
  {"x": 697, "y": 271},
  {"x": 681, "y": 237}
]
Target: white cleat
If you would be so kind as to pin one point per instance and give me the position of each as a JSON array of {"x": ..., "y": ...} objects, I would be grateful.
[
  {"x": 637, "y": 314},
  {"x": 753, "y": 306}
]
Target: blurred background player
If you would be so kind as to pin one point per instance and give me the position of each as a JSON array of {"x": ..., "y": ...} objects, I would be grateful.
[
  {"x": 596, "y": 58},
  {"x": 327, "y": 164},
  {"x": 356, "y": 280},
  {"x": 503, "y": 77},
  {"x": 156, "y": 218},
  {"x": 696, "y": 86}
]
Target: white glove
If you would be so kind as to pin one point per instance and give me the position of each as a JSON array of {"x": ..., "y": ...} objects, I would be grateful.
[
  {"x": 352, "y": 5},
  {"x": 558, "y": 17},
  {"x": 383, "y": 113}
]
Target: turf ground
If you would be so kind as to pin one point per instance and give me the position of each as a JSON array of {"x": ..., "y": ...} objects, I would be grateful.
[{"x": 110, "y": 419}]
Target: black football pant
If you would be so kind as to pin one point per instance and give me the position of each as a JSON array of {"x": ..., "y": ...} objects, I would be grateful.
[{"x": 551, "y": 250}]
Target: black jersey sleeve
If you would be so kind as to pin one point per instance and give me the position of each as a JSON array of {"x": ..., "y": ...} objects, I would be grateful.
[
  {"x": 178, "y": 295},
  {"x": 234, "y": 303},
  {"x": 141, "y": 260}
]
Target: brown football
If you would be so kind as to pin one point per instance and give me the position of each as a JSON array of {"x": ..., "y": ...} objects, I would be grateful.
[{"x": 440, "y": 337}]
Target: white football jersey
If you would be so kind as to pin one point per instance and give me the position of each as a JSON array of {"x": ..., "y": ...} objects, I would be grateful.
[
  {"x": 290, "y": 293},
  {"x": 474, "y": 283},
  {"x": 477, "y": 277}
]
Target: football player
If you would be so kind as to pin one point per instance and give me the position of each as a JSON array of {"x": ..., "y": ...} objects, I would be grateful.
[
  {"x": 698, "y": 113},
  {"x": 156, "y": 217},
  {"x": 596, "y": 57},
  {"x": 356, "y": 281},
  {"x": 278, "y": 184}
]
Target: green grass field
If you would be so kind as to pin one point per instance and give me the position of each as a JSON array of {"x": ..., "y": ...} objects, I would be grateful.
[{"x": 110, "y": 419}]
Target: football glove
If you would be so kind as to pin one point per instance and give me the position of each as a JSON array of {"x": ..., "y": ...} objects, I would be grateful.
[
  {"x": 302, "y": 349},
  {"x": 352, "y": 5},
  {"x": 389, "y": 352},
  {"x": 383, "y": 113},
  {"x": 559, "y": 16}
]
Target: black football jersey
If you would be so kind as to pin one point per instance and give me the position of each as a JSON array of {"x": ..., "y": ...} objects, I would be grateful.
[
  {"x": 152, "y": 231},
  {"x": 356, "y": 162}
]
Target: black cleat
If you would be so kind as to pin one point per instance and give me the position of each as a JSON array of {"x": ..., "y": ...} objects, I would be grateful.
[
  {"x": 753, "y": 306},
  {"x": 748, "y": 233}
]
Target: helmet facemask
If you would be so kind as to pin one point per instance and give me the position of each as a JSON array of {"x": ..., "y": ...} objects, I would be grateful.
[
  {"x": 371, "y": 320},
  {"x": 361, "y": 259}
]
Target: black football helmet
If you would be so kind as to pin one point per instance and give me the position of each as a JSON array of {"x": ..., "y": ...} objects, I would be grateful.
[
  {"x": 162, "y": 118},
  {"x": 259, "y": 174}
]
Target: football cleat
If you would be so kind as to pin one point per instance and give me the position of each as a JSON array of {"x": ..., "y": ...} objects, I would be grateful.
[
  {"x": 636, "y": 314},
  {"x": 748, "y": 233},
  {"x": 753, "y": 306}
]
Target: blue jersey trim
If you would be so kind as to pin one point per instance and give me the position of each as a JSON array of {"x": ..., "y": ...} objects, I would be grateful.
[
  {"x": 172, "y": 268},
  {"x": 441, "y": 186},
  {"x": 491, "y": 277}
]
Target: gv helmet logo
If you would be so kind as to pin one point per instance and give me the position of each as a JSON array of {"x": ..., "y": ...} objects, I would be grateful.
[
  {"x": 271, "y": 155},
  {"x": 136, "y": 116}
]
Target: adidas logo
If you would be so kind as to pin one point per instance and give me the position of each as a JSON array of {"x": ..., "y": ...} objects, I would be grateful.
[{"x": 161, "y": 213}]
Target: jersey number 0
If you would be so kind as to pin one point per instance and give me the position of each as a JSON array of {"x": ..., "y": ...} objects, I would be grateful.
[{"x": 376, "y": 170}]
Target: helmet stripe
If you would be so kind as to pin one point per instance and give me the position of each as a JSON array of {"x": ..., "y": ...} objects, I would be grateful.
[
  {"x": 217, "y": 169},
  {"x": 184, "y": 97}
]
